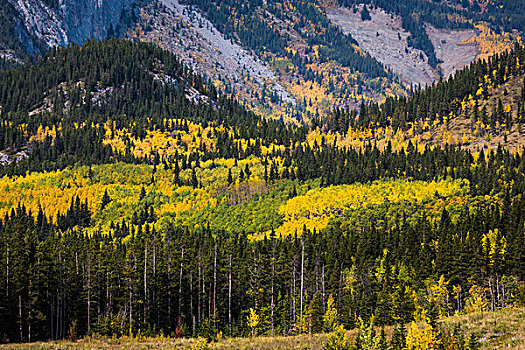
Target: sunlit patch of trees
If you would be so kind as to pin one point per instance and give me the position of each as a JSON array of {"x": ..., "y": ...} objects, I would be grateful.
[
  {"x": 145, "y": 212},
  {"x": 382, "y": 201}
]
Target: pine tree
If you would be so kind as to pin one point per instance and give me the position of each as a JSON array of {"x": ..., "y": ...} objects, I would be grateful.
[
  {"x": 142, "y": 194},
  {"x": 398, "y": 341},
  {"x": 230, "y": 178},
  {"x": 176, "y": 174},
  {"x": 194, "y": 180},
  {"x": 105, "y": 200}
]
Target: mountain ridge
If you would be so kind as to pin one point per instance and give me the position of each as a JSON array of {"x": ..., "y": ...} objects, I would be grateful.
[
  {"x": 42, "y": 24},
  {"x": 288, "y": 61}
]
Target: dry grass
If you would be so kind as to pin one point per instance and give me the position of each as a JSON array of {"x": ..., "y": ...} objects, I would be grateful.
[
  {"x": 263, "y": 343},
  {"x": 259, "y": 343},
  {"x": 105, "y": 343},
  {"x": 503, "y": 329}
]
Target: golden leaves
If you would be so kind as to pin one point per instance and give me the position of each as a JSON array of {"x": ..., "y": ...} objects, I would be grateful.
[{"x": 315, "y": 208}]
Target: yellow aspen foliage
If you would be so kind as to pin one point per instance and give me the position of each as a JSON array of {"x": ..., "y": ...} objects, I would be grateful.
[
  {"x": 494, "y": 245},
  {"x": 350, "y": 277},
  {"x": 381, "y": 270},
  {"x": 438, "y": 294},
  {"x": 457, "y": 294},
  {"x": 200, "y": 344},
  {"x": 53, "y": 191},
  {"x": 490, "y": 42},
  {"x": 337, "y": 340},
  {"x": 315, "y": 208},
  {"x": 253, "y": 321},
  {"x": 420, "y": 335},
  {"x": 475, "y": 301},
  {"x": 331, "y": 317},
  {"x": 479, "y": 92}
]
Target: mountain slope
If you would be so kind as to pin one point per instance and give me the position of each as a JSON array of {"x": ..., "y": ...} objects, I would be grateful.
[
  {"x": 481, "y": 106},
  {"x": 35, "y": 25},
  {"x": 313, "y": 62},
  {"x": 384, "y": 37},
  {"x": 293, "y": 83},
  {"x": 288, "y": 60},
  {"x": 192, "y": 37},
  {"x": 271, "y": 73}
]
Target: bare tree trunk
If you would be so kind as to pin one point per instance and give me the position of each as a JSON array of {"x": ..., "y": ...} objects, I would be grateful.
[
  {"x": 155, "y": 299},
  {"x": 89, "y": 295},
  {"x": 294, "y": 319},
  {"x": 7, "y": 272},
  {"x": 130, "y": 309},
  {"x": 191, "y": 302},
  {"x": 316, "y": 273},
  {"x": 215, "y": 285},
  {"x": 230, "y": 294},
  {"x": 503, "y": 298},
  {"x": 145, "y": 284},
  {"x": 491, "y": 295},
  {"x": 108, "y": 294},
  {"x": 302, "y": 288},
  {"x": 51, "y": 315},
  {"x": 323, "y": 285},
  {"x": 199, "y": 292},
  {"x": 340, "y": 298},
  {"x": 64, "y": 309},
  {"x": 99, "y": 304},
  {"x": 57, "y": 328},
  {"x": 180, "y": 281},
  {"x": 59, "y": 291},
  {"x": 497, "y": 290},
  {"x": 273, "y": 276},
  {"x": 29, "y": 316},
  {"x": 169, "y": 291},
  {"x": 210, "y": 299},
  {"x": 131, "y": 297},
  {"x": 20, "y": 317}
]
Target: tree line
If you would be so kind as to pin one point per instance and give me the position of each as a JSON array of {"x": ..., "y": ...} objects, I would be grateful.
[
  {"x": 444, "y": 98},
  {"x": 59, "y": 282},
  {"x": 60, "y": 277}
]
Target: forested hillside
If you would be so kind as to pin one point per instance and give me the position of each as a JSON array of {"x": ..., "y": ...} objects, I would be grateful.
[
  {"x": 457, "y": 14},
  {"x": 283, "y": 60},
  {"x": 321, "y": 66},
  {"x": 286, "y": 60},
  {"x": 482, "y": 105},
  {"x": 138, "y": 200}
]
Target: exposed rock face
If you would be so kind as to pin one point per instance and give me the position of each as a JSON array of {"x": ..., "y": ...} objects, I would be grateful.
[
  {"x": 42, "y": 23},
  {"x": 218, "y": 56},
  {"x": 93, "y": 18},
  {"x": 384, "y": 38}
]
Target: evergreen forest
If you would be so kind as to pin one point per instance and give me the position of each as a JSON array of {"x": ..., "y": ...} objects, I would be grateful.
[{"x": 135, "y": 198}]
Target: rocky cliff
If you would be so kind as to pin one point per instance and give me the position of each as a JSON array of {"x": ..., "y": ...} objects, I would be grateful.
[{"x": 37, "y": 24}]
